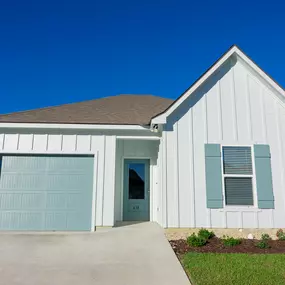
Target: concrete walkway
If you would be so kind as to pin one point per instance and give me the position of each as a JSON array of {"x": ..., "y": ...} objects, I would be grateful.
[{"x": 130, "y": 255}]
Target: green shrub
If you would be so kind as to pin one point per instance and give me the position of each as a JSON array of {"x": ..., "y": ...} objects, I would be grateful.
[
  {"x": 265, "y": 237},
  {"x": 203, "y": 233},
  {"x": 196, "y": 241},
  {"x": 264, "y": 241},
  {"x": 280, "y": 234},
  {"x": 263, "y": 244},
  {"x": 231, "y": 241}
]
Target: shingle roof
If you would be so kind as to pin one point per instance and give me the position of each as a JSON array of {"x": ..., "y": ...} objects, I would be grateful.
[{"x": 119, "y": 110}]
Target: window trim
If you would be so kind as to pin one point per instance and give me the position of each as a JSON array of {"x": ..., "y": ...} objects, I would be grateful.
[{"x": 252, "y": 176}]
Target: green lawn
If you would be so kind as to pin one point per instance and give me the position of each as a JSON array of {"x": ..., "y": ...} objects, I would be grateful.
[{"x": 237, "y": 268}]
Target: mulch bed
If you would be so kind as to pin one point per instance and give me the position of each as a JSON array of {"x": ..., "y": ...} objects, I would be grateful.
[{"x": 215, "y": 245}]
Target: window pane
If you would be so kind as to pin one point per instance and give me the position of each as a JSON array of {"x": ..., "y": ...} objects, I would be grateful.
[
  {"x": 237, "y": 160},
  {"x": 136, "y": 180},
  {"x": 238, "y": 191}
]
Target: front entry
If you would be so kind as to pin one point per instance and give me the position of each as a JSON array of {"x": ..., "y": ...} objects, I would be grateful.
[{"x": 136, "y": 190}]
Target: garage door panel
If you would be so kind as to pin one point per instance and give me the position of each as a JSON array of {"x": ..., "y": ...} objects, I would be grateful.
[
  {"x": 46, "y": 193},
  {"x": 10, "y": 201},
  {"x": 20, "y": 200},
  {"x": 74, "y": 198},
  {"x": 22, "y": 181},
  {"x": 79, "y": 163},
  {"x": 32, "y": 201},
  {"x": 56, "y": 201},
  {"x": 67, "y": 201},
  {"x": 56, "y": 221},
  {"x": 74, "y": 220},
  {"x": 24, "y": 163},
  {"x": 21, "y": 220},
  {"x": 70, "y": 182}
]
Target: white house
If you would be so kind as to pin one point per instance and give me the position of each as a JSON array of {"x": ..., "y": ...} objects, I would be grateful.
[{"x": 215, "y": 157}]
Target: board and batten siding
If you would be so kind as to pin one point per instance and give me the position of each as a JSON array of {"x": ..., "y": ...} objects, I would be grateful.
[
  {"x": 103, "y": 147},
  {"x": 233, "y": 108}
]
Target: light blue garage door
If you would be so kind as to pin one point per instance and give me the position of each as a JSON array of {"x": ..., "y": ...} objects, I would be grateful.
[{"x": 46, "y": 193}]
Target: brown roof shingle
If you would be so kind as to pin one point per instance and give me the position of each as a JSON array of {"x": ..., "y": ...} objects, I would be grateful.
[{"x": 119, "y": 110}]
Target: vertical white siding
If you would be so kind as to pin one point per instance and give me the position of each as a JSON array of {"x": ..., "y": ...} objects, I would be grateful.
[
  {"x": 24, "y": 141},
  {"x": 99, "y": 146},
  {"x": 164, "y": 186},
  {"x": 11, "y": 142},
  {"x": 184, "y": 174},
  {"x": 69, "y": 142},
  {"x": 242, "y": 106},
  {"x": 39, "y": 143},
  {"x": 234, "y": 107},
  {"x": 198, "y": 160},
  {"x": 159, "y": 186},
  {"x": 227, "y": 107},
  {"x": 172, "y": 209},
  {"x": 256, "y": 110},
  {"x": 54, "y": 143},
  {"x": 214, "y": 118},
  {"x": 83, "y": 143},
  {"x": 109, "y": 181},
  {"x": 1, "y": 141}
]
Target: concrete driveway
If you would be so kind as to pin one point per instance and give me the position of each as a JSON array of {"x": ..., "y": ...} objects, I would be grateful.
[{"x": 129, "y": 255}]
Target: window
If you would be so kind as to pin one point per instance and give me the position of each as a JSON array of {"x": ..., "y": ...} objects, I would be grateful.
[
  {"x": 238, "y": 176},
  {"x": 136, "y": 180}
]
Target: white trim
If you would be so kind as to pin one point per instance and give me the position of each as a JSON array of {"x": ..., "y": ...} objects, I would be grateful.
[
  {"x": 151, "y": 189},
  {"x": 73, "y": 126},
  {"x": 94, "y": 194},
  {"x": 122, "y": 186},
  {"x": 113, "y": 174},
  {"x": 252, "y": 176},
  {"x": 240, "y": 209},
  {"x": 164, "y": 188},
  {"x": 104, "y": 182},
  {"x": 154, "y": 192},
  {"x": 47, "y": 152},
  {"x": 161, "y": 119},
  {"x": 137, "y": 138}
]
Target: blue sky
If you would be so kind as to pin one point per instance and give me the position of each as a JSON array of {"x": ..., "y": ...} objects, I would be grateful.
[{"x": 55, "y": 52}]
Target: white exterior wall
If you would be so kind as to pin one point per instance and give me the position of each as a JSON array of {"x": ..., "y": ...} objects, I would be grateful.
[
  {"x": 103, "y": 147},
  {"x": 234, "y": 107},
  {"x": 136, "y": 149}
]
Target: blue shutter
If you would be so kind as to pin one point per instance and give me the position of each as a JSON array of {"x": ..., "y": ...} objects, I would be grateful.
[
  {"x": 263, "y": 177},
  {"x": 214, "y": 187}
]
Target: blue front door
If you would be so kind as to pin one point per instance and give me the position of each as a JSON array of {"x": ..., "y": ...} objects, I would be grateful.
[{"x": 136, "y": 190}]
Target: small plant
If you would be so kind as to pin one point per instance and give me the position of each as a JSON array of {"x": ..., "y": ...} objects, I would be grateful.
[
  {"x": 196, "y": 241},
  {"x": 265, "y": 237},
  {"x": 263, "y": 244},
  {"x": 280, "y": 234},
  {"x": 231, "y": 241},
  {"x": 203, "y": 233}
]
